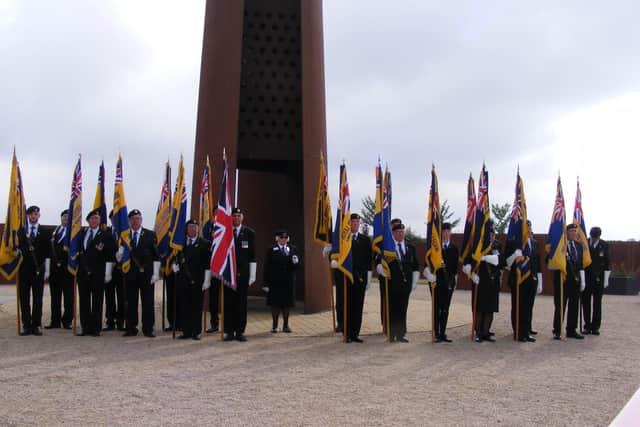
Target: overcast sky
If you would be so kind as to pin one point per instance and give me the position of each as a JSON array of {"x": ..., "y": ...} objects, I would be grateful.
[{"x": 553, "y": 87}]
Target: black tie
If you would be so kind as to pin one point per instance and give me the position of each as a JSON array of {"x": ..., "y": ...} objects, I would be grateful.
[
  {"x": 400, "y": 251},
  {"x": 284, "y": 252},
  {"x": 90, "y": 239},
  {"x": 235, "y": 233},
  {"x": 32, "y": 235},
  {"x": 135, "y": 239},
  {"x": 572, "y": 252},
  {"x": 59, "y": 234}
]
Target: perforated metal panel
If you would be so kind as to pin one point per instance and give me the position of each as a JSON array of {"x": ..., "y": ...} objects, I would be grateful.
[{"x": 270, "y": 117}]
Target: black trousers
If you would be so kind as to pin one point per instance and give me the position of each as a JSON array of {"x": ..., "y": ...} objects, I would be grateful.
[
  {"x": 592, "y": 295},
  {"x": 355, "y": 303},
  {"x": 174, "y": 304},
  {"x": 235, "y": 309},
  {"x": 383, "y": 303},
  {"x": 398, "y": 304},
  {"x": 442, "y": 304},
  {"x": 115, "y": 300},
  {"x": 191, "y": 309},
  {"x": 339, "y": 282},
  {"x": 214, "y": 302},
  {"x": 525, "y": 307},
  {"x": 139, "y": 285},
  {"x": 31, "y": 286},
  {"x": 532, "y": 300},
  {"x": 91, "y": 292},
  {"x": 61, "y": 286},
  {"x": 571, "y": 299}
]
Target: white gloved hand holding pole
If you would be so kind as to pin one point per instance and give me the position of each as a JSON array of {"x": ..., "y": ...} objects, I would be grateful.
[
  {"x": 175, "y": 267},
  {"x": 120, "y": 253},
  {"x": 475, "y": 278},
  {"x": 156, "y": 272},
  {"x": 517, "y": 253},
  {"x": 47, "y": 268},
  {"x": 252, "y": 272},
  {"x": 429, "y": 275},
  {"x": 492, "y": 259},
  {"x": 108, "y": 270},
  {"x": 334, "y": 263},
  {"x": 380, "y": 270},
  {"x": 539, "y": 290},
  {"x": 583, "y": 282},
  {"x": 206, "y": 284},
  {"x": 466, "y": 269},
  {"x": 326, "y": 250}
]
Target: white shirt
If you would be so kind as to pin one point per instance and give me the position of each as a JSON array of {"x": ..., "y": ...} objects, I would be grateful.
[
  {"x": 445, "y": 245},
  {"x": 404, "y": 249},
  {"x": 134, "y": 241},
  {"x": 33, "y": 227},
  {"x": 86, "y": 236}
]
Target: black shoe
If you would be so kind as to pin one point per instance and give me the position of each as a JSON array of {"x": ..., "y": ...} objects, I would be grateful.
[
  {"x": 531, "y": 339},
  {"x": 84, "y": 334},
  {"x": 532, "y": 332},
  {"x": 585, "y": 332},
  {"x": 595, "y": 332},
  {"x": 241, "y": 338},
  {"x": 274, "y": 330},
  {"x": 403, "y": 339},
  {"x": 149, "y": 334},
  {"x": 36, "y": 331},
  {"x": 52, "y": 326},
  {"x": 491, "y": 334},
  {"x": 522, "y": 339},
  {"x": 228, "y": 337},
  {"x": 348, "y": 341},
  {"x": 121, "y": 328},
  {"x": 212, "y": 330},
  {"x": 196, "y": 337},
  {"x": 168, "y": 328},
  {"x": 489, "y": 338},
  {"x": 338, "y": 329},
  {"x": 25, "y": 332},
  {"x": 95, "y": 334},
  {"x": 575, "y": 335},
  {"x": 445, "y": 339},
  {"x": 438, "y": 339},
  {"x": 556, "y": 336},
  {"x": 130, "y": 333},
  {"x": 66, "y": 325},
  {"x": 109, "y": 328},
  {"x": 183, "y": 337},
  {"x": 286, "y": 329},
  {"x": 357, "y": 339},
  {"x": 478, "y": 339}
]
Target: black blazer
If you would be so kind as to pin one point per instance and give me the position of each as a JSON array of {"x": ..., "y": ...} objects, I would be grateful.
[
  {"x": 59, "y": 256},
  {"x": 402, "y": 271},
  {"x": 93, "y": 258},
  {"x": 534, "y": 260},
  {"x": 573, "y": 266},
  {"x": 279, "y": 268},
  {"x": 193, "y": 261},
  {"x": 35, "y": 251},
  {"x": 245, "y": 253},
  {"x": 144, "y": 253},
  {"x": 450, "y": 257},
  {"x": 362, "y": 257},
  {"x": 599, "y": 262}
]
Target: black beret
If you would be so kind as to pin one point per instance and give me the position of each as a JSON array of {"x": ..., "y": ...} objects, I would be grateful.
[
  {"x": 571, "y": 226},
  {"x": 397, "y": 226},
  {"x": 395, "y": 221},
  {"x": 281, "y": 233},
  {"x": 595, "y": 232},
  {"x": 134, "y": 212},
  {"x": 446, "y": 226},
  {"x": 32, "y": 209},
  {"x": 193, "y": 221},
  {"x": 355, "y": 216},
  {"x": 236, "y": 210},
  {"x": 64, "y": 212},
  {"x": 92, "y": 213}
]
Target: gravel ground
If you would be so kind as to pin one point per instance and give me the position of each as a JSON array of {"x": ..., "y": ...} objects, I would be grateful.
[{"x": 59, "y": 379}]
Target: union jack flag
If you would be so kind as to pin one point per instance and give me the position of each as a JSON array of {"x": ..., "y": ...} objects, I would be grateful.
[
  {"x": 73, "y": 240},
  {"x": 223, "y": 251},
  {"x": 469, "y": 220}
]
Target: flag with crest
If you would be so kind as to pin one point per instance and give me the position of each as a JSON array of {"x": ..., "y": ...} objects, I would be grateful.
[
  {"x": 120, "y": 219},
  {"x": 322, "y": 226},
  {"x": 10, "y": 258},
  {"x": 179, "y": 212},
  {"x": 73, "y": 236},
  {"x": 382, "y": 239},
  {"x": 341, "y": 245},
  {"x": 433, "y": 255},
  {"x": 205, "y": 215},
  {"x": 578, "y": 219},
  {"x": 556, "y": 245},
  {"x": 518, "y": 233},
  {"x": 162, "y": 224},
  {"x": 469, "y": 222},
  {"x": 481, "y": 244},
  {"x": 99, "y": 200}
]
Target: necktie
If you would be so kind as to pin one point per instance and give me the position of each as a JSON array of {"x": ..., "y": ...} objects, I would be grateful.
[
  {"x": 90, "y": 239},
  {"x": 400, "y": 251},
  {"x": 60, "y": 234},
  {"x": 354, "y": 236},
  {"x": 32, "y": 234},
  {"x": 572, "y": 252},
  {"x": 235, "y": 233},
  {"x": 283, "y": 250},
  {"x": 135, "y": 239}
]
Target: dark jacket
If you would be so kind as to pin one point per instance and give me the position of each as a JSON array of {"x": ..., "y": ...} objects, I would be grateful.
[
  {"x": 143, "y": 254},
  {"x": 93, "y": 258},
  {"x": 245, "y": 253},
  {"x": 35, "y": 251},
  {"x": 193, "y": 261},
  {"x": 402, "y": 271},
  {"x": 599, "y": 262}
]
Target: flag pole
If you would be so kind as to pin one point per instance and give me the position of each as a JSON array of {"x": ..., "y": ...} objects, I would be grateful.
[
  {"x": 164, "y": 291},
  {"x": 561, "y": 306},
  {"x": 580, "y": 310},
  {"x": 517, "y": 334},
  {"x": 387, "y": 316},
  {"x": 235, "y": 193},
  {"x": 345, "y": 323},
  {"x": 474, "y": 308},
  {"x": 432, "y": 285},
  {"x": 18, "y": 301},
  {"x": 75, "y": 303},
  {"x": 221, "y": 305},
  {"x": 333, "y": 304},
  {"x": 175, "y": 298},
  {"x": 205, "y": 297}
]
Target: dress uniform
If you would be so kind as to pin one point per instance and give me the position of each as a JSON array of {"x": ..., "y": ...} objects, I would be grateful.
[
  {"x": 361, "y": 256},
  {"x": 114, "y": 294},
  {"x": 235, "y": 301},
  {"x": 573, "y": 284},
  {"x": 34, "y": 244},
  {"x": 445, "y": 279},
  {"x": 281, "y": 262},
  {"x": 193, "y": 277},
  {"x": 96, "y": 259},
  {"x": 597, "y": 275},
  {"x": 404, "y": 278},
  {"x": 61, "y": 280},
  {"x": 142, "y": 276}
]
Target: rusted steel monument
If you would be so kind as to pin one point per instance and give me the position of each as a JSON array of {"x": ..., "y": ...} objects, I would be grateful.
[{"x": 262, "y": 99}]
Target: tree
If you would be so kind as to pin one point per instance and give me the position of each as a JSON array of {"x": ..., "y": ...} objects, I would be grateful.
[
  {"x": 411, "y": 237},
  {"x": 446, "y": 213},
  {"x": 500, "y": 216},
  {"x": 368, "y": 210}
]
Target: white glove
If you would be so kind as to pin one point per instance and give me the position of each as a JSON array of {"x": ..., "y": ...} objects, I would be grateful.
[
  {"x": 414, "y": 279},
  {"x": 47, "y": 268},
  {"x": 326, "y": 250},
  {"x": 607, "y": 273},
  {"x": 517, "y": 253},
  {"x": 539, "y": 290},
  {"x": 207, "y": 280},
  {"x": 294, "y": 259},
  {"x": 369, "y": 275},
  {"x": 120, "y": 253},
  {"x": 265, "y": 288},
  {"x": 455, "y": 281},
  {"x": 252, "y": 273},
  {"x": 475, "y": 278},
  {"x": 492, "y": 259},
  {"x": 334, "y": 263},
  {"x": 175, "y": 267},
  {"x": 380, "y": 270},
  {"x": 156, "y": 272},
  {"x": 466, "y": 269},
  {"x": 428, "y": 275},
  {"x": 108, "y": 269},
  {"x": 583, "y": 282}
]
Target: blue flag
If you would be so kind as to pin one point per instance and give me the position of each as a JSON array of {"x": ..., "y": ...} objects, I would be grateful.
[
  {"x": 73, "y": 239},
  {"x": 99, "y": 200},
  {"x": 518, "y": 232},
  {"x": 121, "y": 220},
  {"x": 341, "y": 245}
]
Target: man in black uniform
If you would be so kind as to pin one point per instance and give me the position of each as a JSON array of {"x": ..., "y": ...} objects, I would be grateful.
[
  {"x": 191, "y": 269},
  {"x": 34, "y": 244},
  {"x": 97, "y": 256},
  {"x": 597, "y": 275},
  {"x": 235, "y": 302},
  {"x": 528, "y": 287},
  {"x": 573, "y": 285},
  {"x": 142, "y": 276},
  {"x": 60, "y": 281},
  {"x": 382, "y": 283},
  {"x": 114, "y": 293},
  {"x": 446, "y": 279},
  {"x": 404, "y": 278},
  {"x": 361, "y": 256}
]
